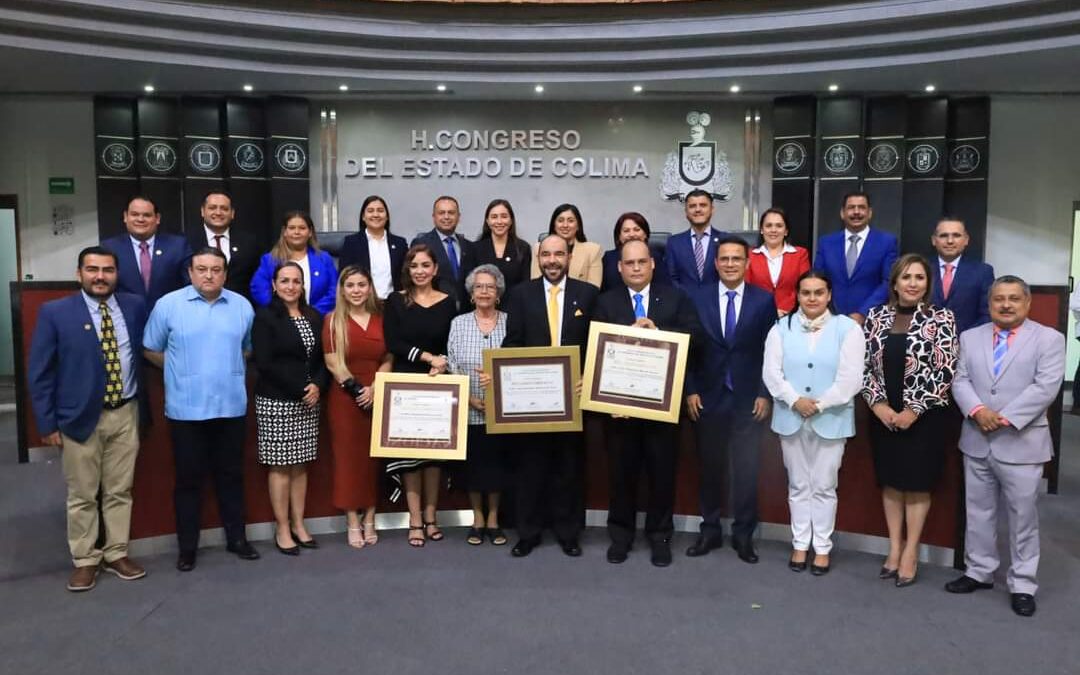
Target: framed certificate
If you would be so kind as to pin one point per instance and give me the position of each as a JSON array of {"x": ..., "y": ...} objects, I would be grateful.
[
  {"x": 417, "y": 416},
  {"x": 636, "y": 372},
  {"x": 532, "y": 390}
]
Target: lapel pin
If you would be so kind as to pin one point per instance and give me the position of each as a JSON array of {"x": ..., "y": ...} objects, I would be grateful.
[
  {"x": 507, "y": 258},
  {"x": 315, "y": 273},
  {"x": 86, "y": 326},
  {"x": 157, "y": 252},
  {"x": 234, "y": 249}
]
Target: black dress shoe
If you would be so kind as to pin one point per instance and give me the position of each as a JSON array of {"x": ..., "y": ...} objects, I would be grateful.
[
  {"x": 1023, "y": 604},
  {"x": 523, "y": 548},
  {"x": 287, "y": 550},
  {"x": 796, "y": 566},
  {"x": 310, "y": 543},
  {"x": 661, "y": 554},
  {"x": 887, "y": 573},
  {"x": 571, "y": 547},
  {"x": 819, "y": 570},
  {"x": 185, "y": 562},
  {"x": 243, "y": 550},
  {"x": 704, "y": 544},
  {"x": 617, "y": 553},
  {"x": 966, "y": 584},
  {"x": 745, "y": 551}
]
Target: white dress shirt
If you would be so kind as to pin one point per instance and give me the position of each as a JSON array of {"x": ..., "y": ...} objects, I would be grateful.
[
  {"x": 136, "y": 243},
  {"x": 942, "y": 263},
  {"x": 559, "y": 300},
  {"x": 775, "y": 263},
  {"x": 381, "y": 272},
  {"x": 306, "y": 267},
  {"x": 739, "y": 291},
  {"x": 226, "y": 246},
  {"x": 849, "y": 371},
  {"x": 862, "y": 235}
]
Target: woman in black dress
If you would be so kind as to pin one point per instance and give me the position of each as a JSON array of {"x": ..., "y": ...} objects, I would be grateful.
[
  {"x": 499, "y": 245},
  {"x": 286, "y": 346},
  {"x": 416, "y": 323},
  {"x": 911, "y": 351}
]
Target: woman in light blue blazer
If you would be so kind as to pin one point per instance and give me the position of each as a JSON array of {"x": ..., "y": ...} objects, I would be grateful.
[
  {"x": 298, "y": 244},
  {"x": 813, "y": 368}
]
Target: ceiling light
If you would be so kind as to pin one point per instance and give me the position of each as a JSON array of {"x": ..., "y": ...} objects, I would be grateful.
[
  {"x": 440, "y": 87},
  {"x": 834, "y": 87},
  {"x": 734, "y": 89},
  {"x": 248, "y": 87},
  {"x": 149, "y": 89},
  {"x": 930, "y": 88},
  {"x": 539, "y": 89},
  {"x": 343, "y": 87},
  {"x": 638, "y": 88}
]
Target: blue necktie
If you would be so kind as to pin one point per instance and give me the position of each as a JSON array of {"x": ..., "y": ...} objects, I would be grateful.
[
  {"x": 451, "y": 253},
  {"x": 1001, "y": 348},
  {"x": 639, "y": 309},
  {"x": 729, "y": 334}
]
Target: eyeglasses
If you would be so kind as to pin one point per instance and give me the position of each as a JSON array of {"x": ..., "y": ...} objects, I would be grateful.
[{"x": 485, "y": 287}]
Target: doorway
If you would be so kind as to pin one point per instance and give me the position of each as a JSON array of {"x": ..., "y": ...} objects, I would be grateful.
[{"x": 9, "y": 271}]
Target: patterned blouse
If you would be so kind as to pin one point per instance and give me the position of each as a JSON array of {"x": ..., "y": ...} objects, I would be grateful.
[
  {"x": 932, "y": 348},
  {"x": 465, "y": 352}
]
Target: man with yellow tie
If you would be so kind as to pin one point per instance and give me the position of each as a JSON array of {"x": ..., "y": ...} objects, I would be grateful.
[{"x": 553, "y": 310}]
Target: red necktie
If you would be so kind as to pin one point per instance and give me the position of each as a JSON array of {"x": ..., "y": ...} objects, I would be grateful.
[
  {"x": 144, "y": 263},
  {"x": 946, "y": 280}
]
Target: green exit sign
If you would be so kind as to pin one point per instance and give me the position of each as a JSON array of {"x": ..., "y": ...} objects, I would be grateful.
[{"x": 61, "y": 185}]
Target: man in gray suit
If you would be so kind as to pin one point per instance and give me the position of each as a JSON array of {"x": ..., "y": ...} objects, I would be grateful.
[{"x": 1009, "y": 373}]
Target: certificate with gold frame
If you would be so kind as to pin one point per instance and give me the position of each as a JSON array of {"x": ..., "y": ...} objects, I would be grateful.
[
  {"x": 634, "y": 372},
  {"x": 532, "y": 390},
  {"x": 417, "y": 416}
]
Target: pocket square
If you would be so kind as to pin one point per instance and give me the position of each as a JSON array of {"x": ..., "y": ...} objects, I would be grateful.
[{"x": 578, "y": 312}]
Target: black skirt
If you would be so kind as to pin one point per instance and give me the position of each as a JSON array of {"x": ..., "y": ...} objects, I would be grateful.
[{"x": 485, "y": 463}]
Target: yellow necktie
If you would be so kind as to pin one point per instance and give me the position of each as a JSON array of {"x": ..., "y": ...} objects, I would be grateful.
[
  {"x": 114, "y": 381},
  {"x": 553, "y": 315}
]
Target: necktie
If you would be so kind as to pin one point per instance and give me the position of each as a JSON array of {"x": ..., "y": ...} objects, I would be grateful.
[
  {"x": 144, "y": 263},
  {"x": 946, "y": 280},
  {"x": 553, "y": 315},
  {"x": 217, "y": 241},
  {"x": 699, "y": 255},
  {"x": 451, "y": 253},
  {"x": 729, "y": 334},
  {"x": 110, "y": 351},
  {"x": 639, "y": 309},
  {"x": 852, "y": 254},
  {"x": 1001, "y": 348}
]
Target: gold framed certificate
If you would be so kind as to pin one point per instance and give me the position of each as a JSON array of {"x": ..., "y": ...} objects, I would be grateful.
[
  {"x": 417, "y": 416},
  {"x": 634, "y": 372},
  {"x": 532, "y": 390}
]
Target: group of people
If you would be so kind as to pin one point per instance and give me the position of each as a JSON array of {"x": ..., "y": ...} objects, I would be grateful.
[{"x": 773, "y": 338}]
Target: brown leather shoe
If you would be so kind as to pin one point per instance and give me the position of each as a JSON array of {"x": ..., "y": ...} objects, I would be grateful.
[
  {"x": 83, "y": 579},
  {"x": 125, "y": 568}
]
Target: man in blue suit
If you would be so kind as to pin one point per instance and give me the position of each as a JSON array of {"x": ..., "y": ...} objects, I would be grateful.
[
  {"x": 84, "y": 378},
  {"x": 727, "y": 399},
  {"x": 857, "y": 259},
  {"x": 689, "y": 254},
  {"x": 444, "y": 241},
  {"x": 963, "y": 287},
  {"x": 149, "y": 263}
]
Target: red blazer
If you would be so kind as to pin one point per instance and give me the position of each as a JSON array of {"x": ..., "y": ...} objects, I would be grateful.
[{"x": 795, "y": 264}]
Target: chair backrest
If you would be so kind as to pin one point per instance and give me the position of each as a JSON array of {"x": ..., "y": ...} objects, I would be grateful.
[{"x": 331, "y": 241}]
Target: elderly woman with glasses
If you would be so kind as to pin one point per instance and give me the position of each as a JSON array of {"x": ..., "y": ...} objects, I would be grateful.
[{"x": 470, "y": 334}]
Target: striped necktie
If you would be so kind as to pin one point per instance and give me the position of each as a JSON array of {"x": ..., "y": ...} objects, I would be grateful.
[
  {"x": 699, "y": 254},
  {"x": 1001, "y": 348}
]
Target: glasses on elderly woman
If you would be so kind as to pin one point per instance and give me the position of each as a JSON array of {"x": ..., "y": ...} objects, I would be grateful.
[{"x": 485, "y": 287}]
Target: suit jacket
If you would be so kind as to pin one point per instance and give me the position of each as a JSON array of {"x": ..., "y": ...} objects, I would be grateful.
[
  {"x": 682, "y": 266},
  {"x": 323, "y": 281},
  {"x": 514, "y": 262},
  {"x": 354, "y": 251},
  {"x": 284, "y": 366},
  {"x": 744, "y": 358},
  {"x": 794, "y": 264},
  {"x": 243, "y": 257},
  {"x": 612, "y": 278},
  {"x": 444, "y": 279},
  {"x": 1029, "y": 381},
  {"x": 527, "y": 323},
  {"x": 669, "y": 308},
  {"x": 66, "y": 373},
  {"x": 168, "y": 268},
  {"x": 868, "y": 286},
  {"x": 585, "y": 263},
  {"x": 969, "y": 294}
]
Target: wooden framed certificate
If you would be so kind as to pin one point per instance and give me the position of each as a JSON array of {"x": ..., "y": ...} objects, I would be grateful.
[
  {"x": 634, "y": 372},
  {"x": 417, "y": 416},
  {"x": 532, "y": 390}
]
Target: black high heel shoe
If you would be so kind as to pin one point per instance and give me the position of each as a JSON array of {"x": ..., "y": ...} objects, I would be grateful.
[
  {"x": 310, "y": 543},
  {"x": 292, "y": 550},
  {"x": 887, "y": 573}
]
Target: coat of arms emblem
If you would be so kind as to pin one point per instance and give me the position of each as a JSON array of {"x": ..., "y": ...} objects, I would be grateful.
[{"x": 697, "y": 165}]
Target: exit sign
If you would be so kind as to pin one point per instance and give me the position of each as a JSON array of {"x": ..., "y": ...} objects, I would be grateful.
[{"x": 61, "y": 185}]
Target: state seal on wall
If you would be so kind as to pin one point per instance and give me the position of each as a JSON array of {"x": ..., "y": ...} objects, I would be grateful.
[
  {"x": 160, "y": 157},
  {"x": 883, "y": 158},
  {"x": 204, "y": 157},
  {"x": 249, "y": 157},
  {"x": 291, "y": 158},
  {"x": 923, "y": 158},
  {"x": 839, "y": 158},
  {"x": 117, "y": 157},
  {"x": 964, "y": 159},
  {"x": 697, "y": 165},
  {"x": 790, "y": 157}
]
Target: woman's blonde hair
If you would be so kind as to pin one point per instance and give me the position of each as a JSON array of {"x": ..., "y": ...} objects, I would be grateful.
[
  {"x": 280, "y": 251},
  {"x": 339, "y": 318}
]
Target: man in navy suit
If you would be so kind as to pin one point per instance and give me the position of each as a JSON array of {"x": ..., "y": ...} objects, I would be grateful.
[
  {"x": 727, "y": 399},
  {"x": 636, "y": 444},
  {"x": 857, "y": 259},
  {"x": 240, "y": 248},
  {"x": 84, "y": 378},
  {"x": 446, "y": 243},
  {"x": 149, "y": 263},
  {"x": 962, "y": 286},
  {"x": 689, "y": 254},
  {"x": 552, "y": 311}
]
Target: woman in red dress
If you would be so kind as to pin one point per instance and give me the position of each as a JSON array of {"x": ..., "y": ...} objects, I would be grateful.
[
  {"x": 776, "y": 265},
  {"x": 355, "y": 350}
]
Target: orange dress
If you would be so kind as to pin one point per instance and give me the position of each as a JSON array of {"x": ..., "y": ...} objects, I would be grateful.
[{"x": 356, "y": 474}]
